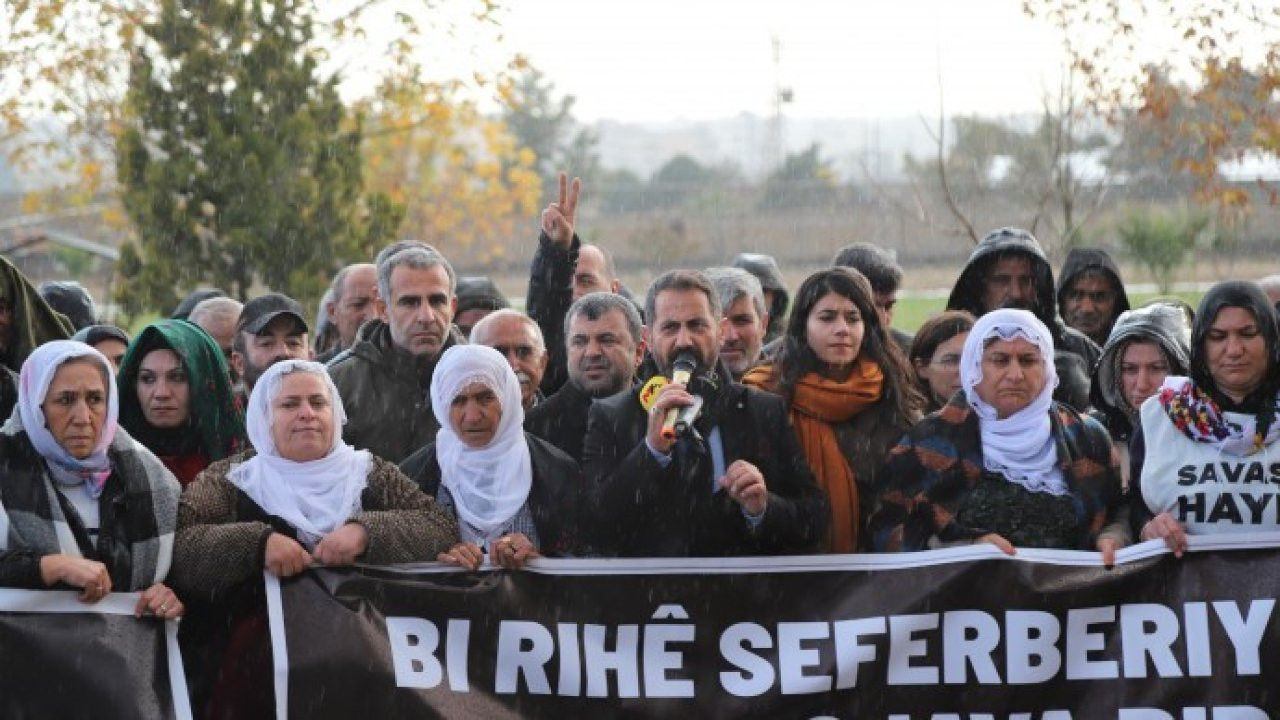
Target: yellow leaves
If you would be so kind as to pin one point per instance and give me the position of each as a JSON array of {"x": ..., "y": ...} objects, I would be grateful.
[
  {"x": 463, "y": 182},
  {"x": 32, "y": 203},
  {"x": 91, "y": 175},
  {"x": 114, "y": 218}
]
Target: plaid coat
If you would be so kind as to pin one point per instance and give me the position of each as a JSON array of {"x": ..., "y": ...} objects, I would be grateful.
[
  {"x": 931, "y": 473},
  {"x": 138, "y": 512}
]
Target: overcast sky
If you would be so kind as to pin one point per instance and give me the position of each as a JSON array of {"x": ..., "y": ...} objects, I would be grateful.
[{"x": 700, "y": 59}]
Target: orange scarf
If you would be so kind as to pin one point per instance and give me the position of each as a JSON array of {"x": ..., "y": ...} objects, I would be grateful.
[{"x": 819, "y": 404}]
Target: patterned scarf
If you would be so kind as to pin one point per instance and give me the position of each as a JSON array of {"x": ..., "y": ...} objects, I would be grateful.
[{"x": 1198, "y": 416}]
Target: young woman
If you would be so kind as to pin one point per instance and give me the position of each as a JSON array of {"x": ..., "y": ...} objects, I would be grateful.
[
  {"x": 176, "y": 398},
  {"x": 935, "y": 356},
  {"x": 849, "y": 392}
]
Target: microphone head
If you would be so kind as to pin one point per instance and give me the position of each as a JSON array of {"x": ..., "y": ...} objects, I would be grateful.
[{"x": 685, "y": 361}]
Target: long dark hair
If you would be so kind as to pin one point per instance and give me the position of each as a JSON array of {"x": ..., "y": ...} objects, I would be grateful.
[
  {"x": 900, "y": 402},
  {"x": 1248, "y": 296},
  {"x": 932, "y": 333}
]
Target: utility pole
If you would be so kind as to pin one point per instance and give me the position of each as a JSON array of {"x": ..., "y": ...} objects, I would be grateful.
[{"x": 782, "y": 94}]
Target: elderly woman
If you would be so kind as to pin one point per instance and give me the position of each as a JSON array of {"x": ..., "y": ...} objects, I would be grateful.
[
  {"x": 1002, "y": 462},
  {"x": 85, "y": 506},
  {"x": 176, "y": 397},
  {"x": 849, "y": 392},
  {"x": 935, "y": 356},
  {"x": 300, "y": 495},
  {"x": 1145, "y": 346},
  {"x": 516, "y": 496},
  {"x": 1215, "y": 435}
]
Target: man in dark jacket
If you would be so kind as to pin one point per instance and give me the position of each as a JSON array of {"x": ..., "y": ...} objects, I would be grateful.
[
  {"x": 604, "y": 346},
  {"x": 563, "y": 270},
  {"x": 1009, "y": 269},
  {"x": 736, "y": 483},
  {"x": 385, "y": 378},
  {"x": 882, "y": 270},
  {"x": 765, "y": 268},
  {"x": 1090, "y": 293}
]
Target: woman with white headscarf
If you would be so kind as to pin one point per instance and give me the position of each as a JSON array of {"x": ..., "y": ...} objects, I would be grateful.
[
  {"x": 1002, "y": 462},
  {"x": 85, "y": 506},
  {"x": 301, "y": 495},
  {"x": 516, "y": 496}
]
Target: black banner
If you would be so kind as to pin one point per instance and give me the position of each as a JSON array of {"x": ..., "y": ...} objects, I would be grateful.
[
  {"x": 963, "y": 633},
  {"x": 60, "y": 658}
]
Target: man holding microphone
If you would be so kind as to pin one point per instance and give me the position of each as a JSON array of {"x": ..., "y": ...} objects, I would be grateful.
[{"x": 734, "y": 482}]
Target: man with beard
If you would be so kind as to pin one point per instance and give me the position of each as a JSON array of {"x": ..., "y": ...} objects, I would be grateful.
[
  {"x": 517, "y": 338},
  {"x": 564, "y": 269},
  {"x": 604, "y": 347},
  {"x": 271, "y": 328},
  {"x": 1090, "y": 293},
  {"x": 1008, "y": 269},
  {"x": 735, "y": 483},
  {"x": 385, "y": 377},
  {"x": 745, "y": 317}
]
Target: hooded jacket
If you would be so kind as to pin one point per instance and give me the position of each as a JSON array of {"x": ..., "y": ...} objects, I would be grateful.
[
  {"x": 386, "y": 392},
  {"x": 1159, "y": 323},
  {"x": 34, "y": 321},
  {"x": 1082, "y": 260},
  {"x": 765, "y": 269},
  {"x": 1075, "y": 354}
]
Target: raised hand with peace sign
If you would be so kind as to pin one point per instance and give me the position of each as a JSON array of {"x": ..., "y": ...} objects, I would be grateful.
[{"x": 557, "y": 219}]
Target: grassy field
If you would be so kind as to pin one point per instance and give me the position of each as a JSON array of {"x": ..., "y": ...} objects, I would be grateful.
[{"x": 911, "y": 312}]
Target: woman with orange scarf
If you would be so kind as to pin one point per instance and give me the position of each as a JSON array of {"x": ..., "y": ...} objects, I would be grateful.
[{"x": 849, "y": 391}]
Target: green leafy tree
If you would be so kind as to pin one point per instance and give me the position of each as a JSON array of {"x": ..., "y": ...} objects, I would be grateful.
[
  {"x": 1161, "y": 240},
  {"x": 238, "y": 162}
]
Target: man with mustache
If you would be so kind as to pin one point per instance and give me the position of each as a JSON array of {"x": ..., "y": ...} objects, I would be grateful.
[
  {"x": 271, "y": 328},
  {"x": 604, "y": 348},
  {"x": 517, "y": 338},
  {"x": 1090, "y": 293},
  {"x": 385, "y": 377},
  {"x": 736, "y": 483},
  {"x": 1008, "y": 269},
  {"x": 564, "y": 269}
]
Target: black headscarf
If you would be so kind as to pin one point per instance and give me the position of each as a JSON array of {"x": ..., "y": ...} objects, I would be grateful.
[{"x": 1246, "y": 295}]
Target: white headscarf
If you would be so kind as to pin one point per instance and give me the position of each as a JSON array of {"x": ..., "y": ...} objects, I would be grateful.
[
  {"x": 318, "y": 496},
  {"x": 489, "y": 485},
  {"x": 33, "y": 384},
  {"x": 1020, "y": 447}
]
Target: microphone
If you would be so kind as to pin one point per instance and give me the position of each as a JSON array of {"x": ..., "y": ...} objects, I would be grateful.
[{"x": 681, "y": 370}]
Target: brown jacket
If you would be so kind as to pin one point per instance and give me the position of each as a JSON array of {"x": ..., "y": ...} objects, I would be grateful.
[{"x": 217, "y": 548}]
